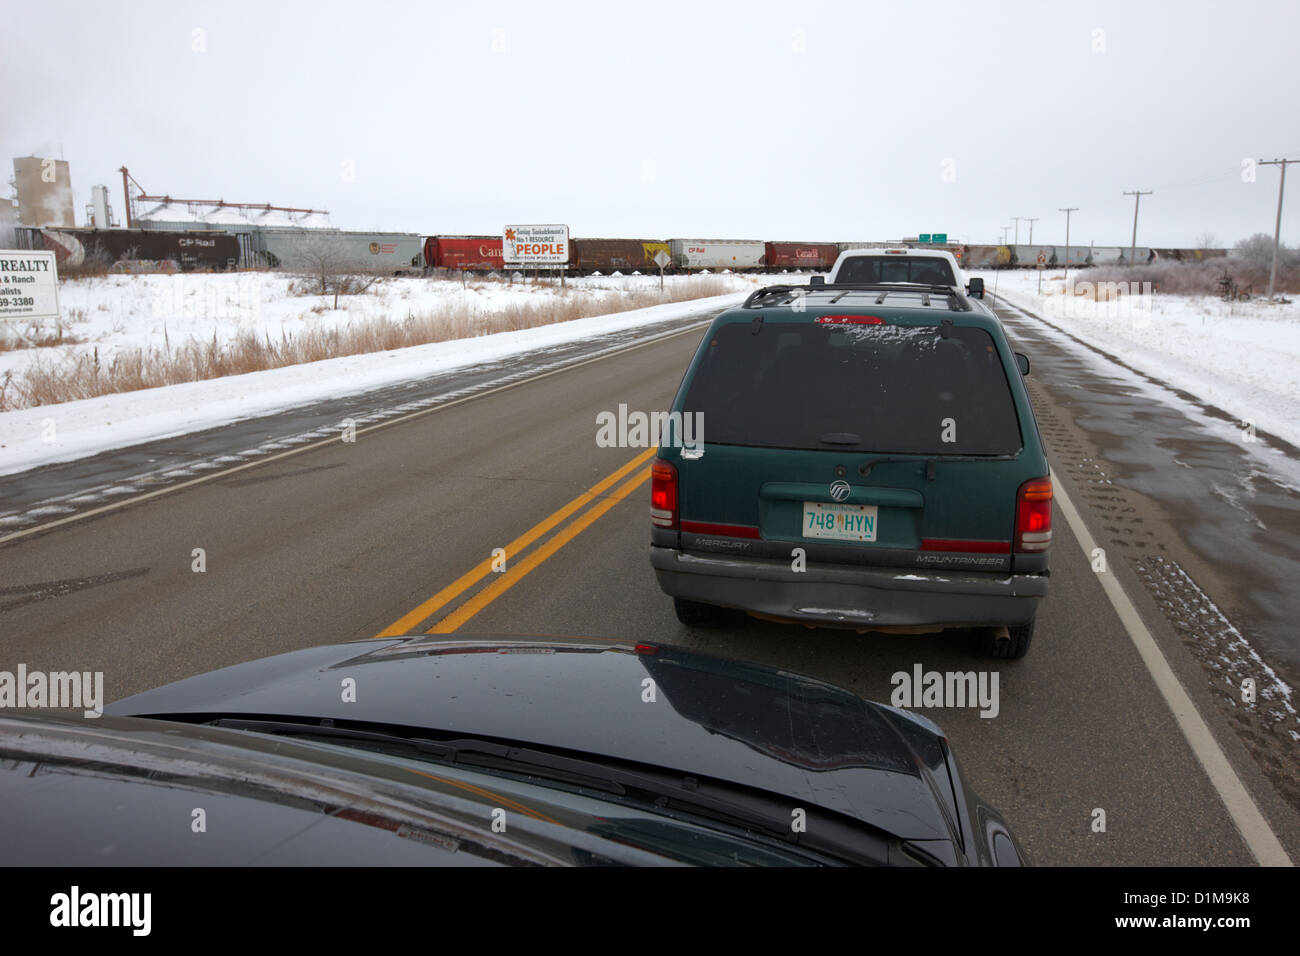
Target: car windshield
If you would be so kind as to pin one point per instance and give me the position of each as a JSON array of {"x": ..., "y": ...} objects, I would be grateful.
[
  {"x": 896, "y": 389},
  {"x": 928, "y": 270}
]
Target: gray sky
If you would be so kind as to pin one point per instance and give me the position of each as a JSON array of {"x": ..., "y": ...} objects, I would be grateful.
[{"x": 794, "y": 120}]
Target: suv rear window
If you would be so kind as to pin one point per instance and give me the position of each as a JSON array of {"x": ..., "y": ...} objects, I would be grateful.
[
  {"x": 925, "y": 269},
  {"x": 875, "y": 388}
]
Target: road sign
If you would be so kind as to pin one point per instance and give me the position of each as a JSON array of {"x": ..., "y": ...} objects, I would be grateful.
[
  {"x": 923, "y": 237},
  {"x": 939, "y": 237},
  {"x": 661, "y": 260},
  {"x": 525, "y": 246},
  {"x": 1041, "y": 258},
  {"x": 29, "y": 285}
]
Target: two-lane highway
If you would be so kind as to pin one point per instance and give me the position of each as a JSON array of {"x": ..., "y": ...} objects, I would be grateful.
[{"x": 501, "y": 513}]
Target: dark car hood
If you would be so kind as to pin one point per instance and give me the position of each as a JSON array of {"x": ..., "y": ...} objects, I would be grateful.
[{"x": 741, "y": 723}]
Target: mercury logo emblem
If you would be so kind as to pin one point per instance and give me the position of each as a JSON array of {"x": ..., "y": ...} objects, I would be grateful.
[{"x": 840, "y": 490}]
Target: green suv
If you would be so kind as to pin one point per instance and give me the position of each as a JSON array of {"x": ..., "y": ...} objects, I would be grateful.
[{"x": 856, "y": 456}]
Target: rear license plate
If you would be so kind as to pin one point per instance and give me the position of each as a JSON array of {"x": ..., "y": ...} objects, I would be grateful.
[{"x": 841, "y": 522}]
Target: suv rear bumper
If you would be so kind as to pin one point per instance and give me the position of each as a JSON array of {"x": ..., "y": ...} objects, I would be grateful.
[{"x": 855, "y": 597}]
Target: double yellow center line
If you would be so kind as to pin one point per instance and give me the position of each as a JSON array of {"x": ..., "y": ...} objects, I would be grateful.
[{"x": 514, "y": 574}]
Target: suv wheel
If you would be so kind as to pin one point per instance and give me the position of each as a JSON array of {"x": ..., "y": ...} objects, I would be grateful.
[
  {"x": 695, "y": 614},
  {"x": 1012, "y": 648}
]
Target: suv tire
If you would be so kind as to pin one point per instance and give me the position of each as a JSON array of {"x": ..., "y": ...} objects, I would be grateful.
[
  {"x": 695, "y": 614},
  {"x": 1013, "y": 649}
]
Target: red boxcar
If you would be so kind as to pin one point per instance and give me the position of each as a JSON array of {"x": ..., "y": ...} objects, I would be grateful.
[
  {"x": 800, "y": 255},
  {"x": 471, "y": 253}
]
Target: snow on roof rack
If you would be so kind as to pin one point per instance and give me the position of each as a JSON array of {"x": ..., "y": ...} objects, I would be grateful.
[{"x": 956, "y": 301}]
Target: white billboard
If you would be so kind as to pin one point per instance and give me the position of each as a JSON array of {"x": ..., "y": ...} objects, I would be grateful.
[
  {"x": 527, "y": 246},
  {"x": 29, "y": 285}
]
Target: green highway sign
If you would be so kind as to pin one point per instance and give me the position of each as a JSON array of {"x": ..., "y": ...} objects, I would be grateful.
[
  {"x": 940, "y": 237},
  {"x": 923, "y": 237}
]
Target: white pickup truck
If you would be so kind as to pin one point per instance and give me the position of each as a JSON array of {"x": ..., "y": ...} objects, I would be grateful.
[{"x": 919, "y": 266}]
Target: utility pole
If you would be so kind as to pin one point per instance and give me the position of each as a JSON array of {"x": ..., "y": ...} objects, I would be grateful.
[
  {"x": 1067, "y": 212},
  {"x": 1017, "y": 219},
  {"x": 1031, "y": 221},
  {"x": 1277, "y": 229},
  {"x": 1004, "y": 234},
  {"x": 1137, "y": 195}
]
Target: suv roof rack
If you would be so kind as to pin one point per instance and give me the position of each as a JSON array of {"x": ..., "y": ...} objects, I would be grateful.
[{"x": 956, "y": 301}]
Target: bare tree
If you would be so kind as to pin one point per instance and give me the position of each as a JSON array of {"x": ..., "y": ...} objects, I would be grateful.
[
  {"x": 1207, "y": 240},
  {"x": 328, "y": 260},
  {"x": 1256, "y": 251}
]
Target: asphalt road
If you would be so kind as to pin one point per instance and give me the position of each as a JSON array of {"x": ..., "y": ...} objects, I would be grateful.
[{"x": 396, "y": 531}]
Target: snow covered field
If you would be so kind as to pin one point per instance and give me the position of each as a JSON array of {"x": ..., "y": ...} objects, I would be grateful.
[
  {"x": 113, "y": 314},
  {"x": 124, "y": 312},
  {"x": 1243, "y": 357}
]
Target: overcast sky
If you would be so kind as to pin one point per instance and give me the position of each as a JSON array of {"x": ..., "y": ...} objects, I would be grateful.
[{"x": 793, "y": 120}]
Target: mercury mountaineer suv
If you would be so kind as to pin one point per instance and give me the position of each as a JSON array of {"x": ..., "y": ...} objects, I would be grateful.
[{"x": 870, "y": 461}]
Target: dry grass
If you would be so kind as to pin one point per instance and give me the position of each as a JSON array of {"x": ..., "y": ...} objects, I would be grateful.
[
  {"x": 36, "y": 336},
  {"x": 1200, "y": 278},
  {"x": 87, "y": 376}
]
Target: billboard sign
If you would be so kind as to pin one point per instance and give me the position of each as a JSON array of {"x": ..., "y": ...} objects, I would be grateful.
[
  {"x": 529, "y": 246},
  {"x": 29, "y": 285}
]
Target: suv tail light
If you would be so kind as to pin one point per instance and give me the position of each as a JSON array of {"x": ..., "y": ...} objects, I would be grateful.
[
  {"x": 1034, "y": 515},
  {"x": 663, "y": 494}
]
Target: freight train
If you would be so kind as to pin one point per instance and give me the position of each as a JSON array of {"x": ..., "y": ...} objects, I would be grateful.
[
  {"x": 1032, "y": 256},
  {"x": 404, "y": 253},
  {"x": 588, "y": 256}
]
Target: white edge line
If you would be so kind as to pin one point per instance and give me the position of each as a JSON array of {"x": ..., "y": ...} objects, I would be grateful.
[
  {"x": 1252, "y": 825},
  {"x": 203, "y": 479}
]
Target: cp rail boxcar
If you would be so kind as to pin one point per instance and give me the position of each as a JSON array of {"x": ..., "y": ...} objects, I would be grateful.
[
  {"x": 800, "y": 255},
  {"x": 467, "y": 253},
  {"x": 191, "y": 251},
  {"x": 715, "y": 254},
  {"x": 616, "y": 255}
]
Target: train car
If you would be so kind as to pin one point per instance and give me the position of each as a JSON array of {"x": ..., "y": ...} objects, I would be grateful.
[
  {"x": 616, "y": 255},
  {"x": 717, "y": 254},
  {"x": 800, "y": 255},
  {"x": 985, "y": 257},
  {"x": 191, "y": 251},
  {"x": 463, "y": 253},
  {"x": 390, "y": 252},
  {"x": 845, "y": 246},
  {"x": 1189, "y": 255}
]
